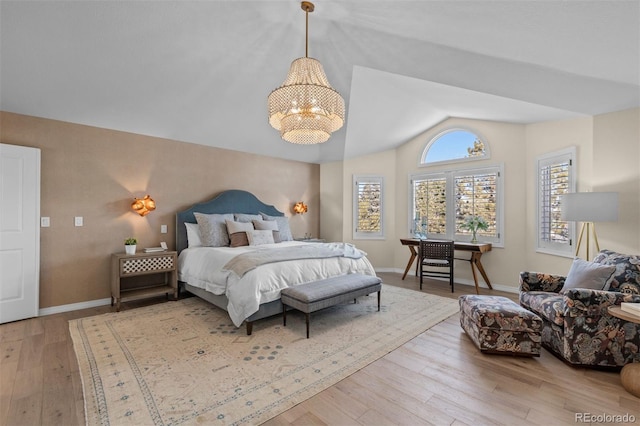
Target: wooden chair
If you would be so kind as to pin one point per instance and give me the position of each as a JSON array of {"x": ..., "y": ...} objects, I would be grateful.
[{"x": 436, "y": 254}]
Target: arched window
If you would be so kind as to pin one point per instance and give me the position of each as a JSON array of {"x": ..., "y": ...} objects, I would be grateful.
[
  {"x": 445, "y": 199},
  {"x": 455, "y": 145}
]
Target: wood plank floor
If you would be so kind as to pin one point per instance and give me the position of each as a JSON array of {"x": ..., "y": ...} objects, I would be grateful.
[{"x": 437, "y": 378}]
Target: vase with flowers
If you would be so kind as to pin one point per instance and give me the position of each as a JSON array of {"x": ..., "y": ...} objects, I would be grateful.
[{"x": 474, "y": 224}]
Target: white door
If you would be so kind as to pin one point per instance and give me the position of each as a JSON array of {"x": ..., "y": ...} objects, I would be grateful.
[{"x": 19, "y": 232}]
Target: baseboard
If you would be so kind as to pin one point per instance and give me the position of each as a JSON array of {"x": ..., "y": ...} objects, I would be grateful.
[
  {"x": 102, "y": 302},
  {"x": 505, "y": 288},
  {"x": 74, "y": 307}
]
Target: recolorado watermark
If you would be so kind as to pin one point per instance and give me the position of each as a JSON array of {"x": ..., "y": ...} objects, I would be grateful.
[{"x": 604, "y": 418}]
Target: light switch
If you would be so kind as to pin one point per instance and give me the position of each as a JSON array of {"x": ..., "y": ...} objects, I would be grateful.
[
  {"x": 163, "y": 229},
  {"x": 78, "y": 221},
  {"x": 45, "y": 222}
]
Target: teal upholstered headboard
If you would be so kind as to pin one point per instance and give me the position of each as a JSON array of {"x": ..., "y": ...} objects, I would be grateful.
[{"x": 232, "y": 201}]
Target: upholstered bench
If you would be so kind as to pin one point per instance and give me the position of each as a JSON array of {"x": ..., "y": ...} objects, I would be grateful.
[
  {"x": 316, "y": 295},
  {"x": 500, "y": 326}
]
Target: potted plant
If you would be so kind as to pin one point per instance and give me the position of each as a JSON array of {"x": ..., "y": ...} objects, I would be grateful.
[
  {"x": 130, "y": 245},
  {"x": 473, "y": 224}
]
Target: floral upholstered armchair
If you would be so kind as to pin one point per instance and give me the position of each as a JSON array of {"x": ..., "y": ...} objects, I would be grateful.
[{"x": 576, "y": 324}]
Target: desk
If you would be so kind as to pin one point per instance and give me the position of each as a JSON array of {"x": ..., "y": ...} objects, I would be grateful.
[
  {"x": 630, "y": 373},
  {"x": 476, "y": 253}
]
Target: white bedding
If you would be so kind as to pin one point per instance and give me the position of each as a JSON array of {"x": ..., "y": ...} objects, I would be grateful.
[{"x": 202, "y": 267}]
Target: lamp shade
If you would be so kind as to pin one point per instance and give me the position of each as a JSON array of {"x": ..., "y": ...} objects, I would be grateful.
[{"x": 589, "y": 207}]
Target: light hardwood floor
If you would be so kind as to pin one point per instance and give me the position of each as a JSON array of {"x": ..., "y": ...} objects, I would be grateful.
[{"x": 437, "y": 378}]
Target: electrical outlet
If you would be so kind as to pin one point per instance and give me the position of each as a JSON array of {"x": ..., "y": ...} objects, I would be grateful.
[
  {"x": 45, "y": 222},
  {"x": 163, "y": 229},
  {"x": 78, "y": 221}
]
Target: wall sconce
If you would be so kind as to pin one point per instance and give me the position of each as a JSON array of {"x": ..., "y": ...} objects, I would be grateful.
[
  {"x": 300, "y": 207},
  {"x": 143, "y": 206}
]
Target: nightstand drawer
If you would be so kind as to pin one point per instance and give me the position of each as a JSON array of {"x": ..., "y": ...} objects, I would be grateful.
[{"x": 146, "y": 264}]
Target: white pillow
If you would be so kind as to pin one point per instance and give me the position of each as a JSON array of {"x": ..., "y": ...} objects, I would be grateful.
[
  {"x": 243, "y": 217},
  {"x": 589, "y": 275},
  {"x": 213, "y": 229},
  {"x": 283, "y": 226},
  {"x": 268, "y": 224},
  {"x": 260, "y": 237},
  {"x": 193, "y": 235},
  {"x": 265, "y": 224}
]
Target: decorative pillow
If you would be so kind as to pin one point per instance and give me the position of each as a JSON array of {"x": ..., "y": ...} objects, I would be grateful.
[
  {"x": 213, "y": 229},
  {"x": 241, "y": 217},
  {"x": 283, "y": 226},
  {"x": 271, "y": 225},
  {"x": 260, "y": 237},
  {"x": 626, "y": 279},
  {"x": 238, "y": 232},
  {"x": 193, "y": 235},
  {"x": 589, "y": 275}
]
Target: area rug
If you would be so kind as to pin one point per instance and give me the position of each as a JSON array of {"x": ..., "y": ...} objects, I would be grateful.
[{"x": 184, "y": 362}]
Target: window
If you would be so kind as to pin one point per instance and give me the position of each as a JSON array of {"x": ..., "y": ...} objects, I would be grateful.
[
  {"x": 368, "y": 207},
  {"x": 442, "y": 201},
  {"x": 555, "y": 178},
  {"x": 455, "y": 145}
]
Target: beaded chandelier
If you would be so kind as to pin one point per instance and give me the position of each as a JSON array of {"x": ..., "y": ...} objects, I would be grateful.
[{"x": 306, "y": 109}]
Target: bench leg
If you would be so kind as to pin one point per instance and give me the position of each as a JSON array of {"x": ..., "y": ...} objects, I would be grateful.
[
  {"x": 307, "y": 314},
  {"x": 284, "y": 315},
  {"x": 378, "y": 301}
]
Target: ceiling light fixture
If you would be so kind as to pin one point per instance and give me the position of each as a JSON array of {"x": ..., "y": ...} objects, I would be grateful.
[{"x": 306, "y": 109}]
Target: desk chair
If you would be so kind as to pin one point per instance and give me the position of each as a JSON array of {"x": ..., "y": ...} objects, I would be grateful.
[{"x": 436, "y": 254}]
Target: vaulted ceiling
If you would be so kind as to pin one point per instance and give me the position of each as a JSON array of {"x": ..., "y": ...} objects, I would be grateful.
[{"x": 200, "y": 71}]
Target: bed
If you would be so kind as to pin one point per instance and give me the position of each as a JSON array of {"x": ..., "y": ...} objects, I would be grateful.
[{"x": 254, "y": 292}]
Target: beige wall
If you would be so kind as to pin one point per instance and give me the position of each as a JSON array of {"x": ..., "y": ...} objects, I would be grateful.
[
  {"x": 380, "y": 164},
  {"x": 95, "y": 173},
  {"x": 331, "y": 201},
  {"x": 506, "y": 143},
  {"x": 617, "y": 150},
  {"x": 608, "y": 153},
  {"x": 544, "y": 138},
  {"x": 608, "y": 148}
]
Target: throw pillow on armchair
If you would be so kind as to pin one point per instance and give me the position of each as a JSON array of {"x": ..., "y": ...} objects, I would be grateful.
[{"x": 576, "y": 324}]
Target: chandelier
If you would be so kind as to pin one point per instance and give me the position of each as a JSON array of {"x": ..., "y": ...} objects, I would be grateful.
[{"x": 306, "y": 109}]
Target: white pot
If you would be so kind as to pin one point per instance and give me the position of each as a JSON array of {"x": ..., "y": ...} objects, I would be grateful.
[{"x": 130, "y": 249}]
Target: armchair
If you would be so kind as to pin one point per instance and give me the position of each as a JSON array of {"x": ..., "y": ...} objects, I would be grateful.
[{"x": 576, "y": 324}]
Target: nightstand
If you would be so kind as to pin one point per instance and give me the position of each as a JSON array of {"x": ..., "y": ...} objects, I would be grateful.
[
  {"x": 310, "y": 240},
  {"x": 143, "y": 275}
]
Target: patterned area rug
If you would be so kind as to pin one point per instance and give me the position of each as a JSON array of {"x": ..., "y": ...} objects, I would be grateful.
[{"x": 184, "y": 362}]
